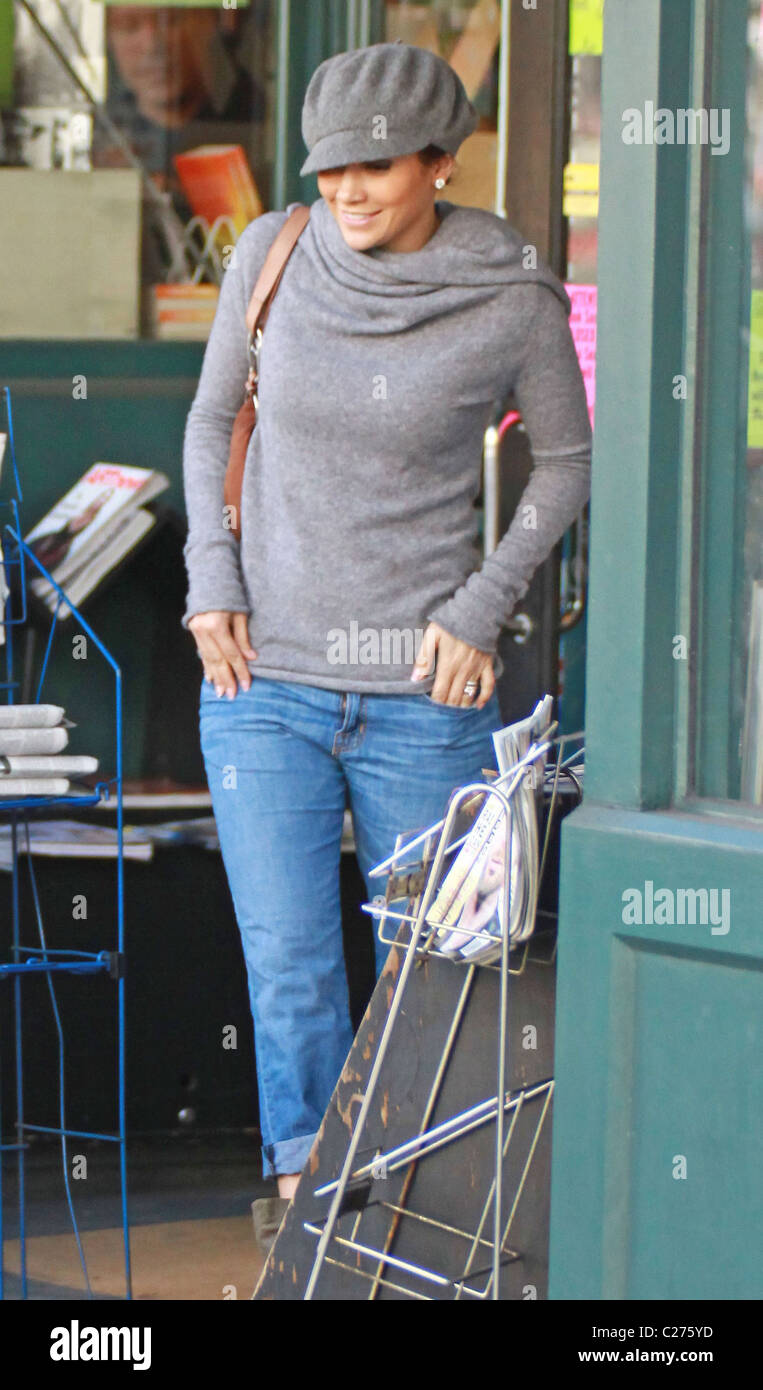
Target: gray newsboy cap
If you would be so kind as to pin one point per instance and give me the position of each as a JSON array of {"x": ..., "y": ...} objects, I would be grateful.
[{"x": 382, "y": 101}]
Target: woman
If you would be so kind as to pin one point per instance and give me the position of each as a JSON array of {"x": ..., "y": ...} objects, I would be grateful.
[{"x": 349, "y": 649}]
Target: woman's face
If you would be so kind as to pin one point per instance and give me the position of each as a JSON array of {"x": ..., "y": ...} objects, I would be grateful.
[
  {"x": 388, "y": 202},
  {"x": 163, "y": 57}
]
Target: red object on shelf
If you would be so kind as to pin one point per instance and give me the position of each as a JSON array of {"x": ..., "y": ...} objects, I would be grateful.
[{"x": 217, "y": 182}]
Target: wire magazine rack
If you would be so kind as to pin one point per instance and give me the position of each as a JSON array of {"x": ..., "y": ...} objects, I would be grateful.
[
  {"x": 473, "y": 1258},
  {"x": 42, "y": 959}
]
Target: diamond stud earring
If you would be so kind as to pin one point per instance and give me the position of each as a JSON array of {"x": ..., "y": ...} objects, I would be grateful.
[{"x": 439, "y": 183}]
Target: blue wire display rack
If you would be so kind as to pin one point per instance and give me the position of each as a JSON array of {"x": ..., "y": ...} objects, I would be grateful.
[{"x": 41, "y": 959}]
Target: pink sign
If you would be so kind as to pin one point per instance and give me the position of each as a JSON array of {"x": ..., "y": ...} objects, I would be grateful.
[{"x": 583, "y": 326}]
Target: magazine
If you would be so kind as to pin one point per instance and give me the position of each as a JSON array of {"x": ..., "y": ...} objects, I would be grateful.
[
  {"x": 524, "y": 821},
  {"x": 75, "y": 839},
  {"x": 89, "y": 519},
  {"x": 466, "y": 868},
  {"x": 472, "y": 900},
  {"x": 196, "y": 830},
  {"x": 84, "y": 580}
]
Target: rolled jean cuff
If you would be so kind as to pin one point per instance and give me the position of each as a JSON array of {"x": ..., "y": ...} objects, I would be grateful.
[{"x": 287, "y": 1156}]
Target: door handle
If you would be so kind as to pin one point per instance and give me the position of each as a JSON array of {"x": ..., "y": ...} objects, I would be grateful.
[
  {"x": 575, "y": 580},
  {"x": 520, "y": 624},
  {"x": 575, "y": 587}
]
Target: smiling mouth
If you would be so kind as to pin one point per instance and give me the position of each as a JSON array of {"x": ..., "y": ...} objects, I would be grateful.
[{"x": 357, "y": 219}]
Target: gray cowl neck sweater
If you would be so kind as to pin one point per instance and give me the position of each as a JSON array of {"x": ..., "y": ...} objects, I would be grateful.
[{"x": 379, "y": 374}]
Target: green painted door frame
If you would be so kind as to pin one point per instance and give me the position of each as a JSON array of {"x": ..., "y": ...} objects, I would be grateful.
[{"x": 657, "y": 1124}]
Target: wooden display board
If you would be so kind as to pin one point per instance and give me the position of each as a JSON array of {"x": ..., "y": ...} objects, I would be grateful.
[
  {"x": 450, "y": 1184},
  {"x": 71, "y": 253}
]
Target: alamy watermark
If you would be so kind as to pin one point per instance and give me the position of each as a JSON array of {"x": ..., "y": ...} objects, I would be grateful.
[
  {"x": 373, "y": 646},
  {"x": 684, "y": 126},
  {"x": 667, "y": 907},
  {"x": 85, "y": 1343}
]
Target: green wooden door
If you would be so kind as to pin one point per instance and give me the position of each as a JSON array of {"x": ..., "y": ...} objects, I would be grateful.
[{"x": 657, "y": 1131}]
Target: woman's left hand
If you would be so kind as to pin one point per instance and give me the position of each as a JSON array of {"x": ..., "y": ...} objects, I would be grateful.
[{"x": 457, "y": 663}]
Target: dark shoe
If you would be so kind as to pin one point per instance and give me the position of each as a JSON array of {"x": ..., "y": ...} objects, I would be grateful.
[{"x": 268, "y": 1214}]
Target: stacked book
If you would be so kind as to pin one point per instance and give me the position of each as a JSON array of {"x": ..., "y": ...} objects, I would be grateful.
[
  {"x": 183, "y": 311},
  {"x": 92, "y": 528},
  {"x": 31, "y": 760},
  {"x": 218, "y": 183},
  {"x": 475, "y": 907}
]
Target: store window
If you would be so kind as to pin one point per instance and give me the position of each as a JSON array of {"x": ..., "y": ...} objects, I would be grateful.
[
  {"x": 580, "y": 206},
  {"x": 468, "y": 36},
  {"x": 581, "y": 180},
  {"x": 581, "y": 175},
  {"x": 135, "y": 145},
  {"x": 725, "y": 505},
  {"x": 747, "y": 678}
]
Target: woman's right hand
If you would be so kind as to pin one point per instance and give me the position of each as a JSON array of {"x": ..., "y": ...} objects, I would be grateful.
[{"x": 223, "y": 644}]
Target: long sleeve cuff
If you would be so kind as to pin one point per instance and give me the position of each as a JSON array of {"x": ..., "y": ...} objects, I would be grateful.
[
  {"x": 555, "y": 495},
  {"x": 216, "y": 585},
  {"x": 550, "y": 394},
  {"x": 466, "y": 617}
]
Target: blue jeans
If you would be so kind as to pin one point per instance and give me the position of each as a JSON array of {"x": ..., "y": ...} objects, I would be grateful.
[{"x": 281, "y": 759}]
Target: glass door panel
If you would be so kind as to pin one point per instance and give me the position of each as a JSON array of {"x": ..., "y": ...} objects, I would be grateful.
[{"x": 468, "y": 35}]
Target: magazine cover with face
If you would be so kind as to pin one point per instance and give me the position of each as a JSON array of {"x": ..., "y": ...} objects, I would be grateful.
[
  {"x": 486, "y": 906},
  {"x": 474, "y": 898}
]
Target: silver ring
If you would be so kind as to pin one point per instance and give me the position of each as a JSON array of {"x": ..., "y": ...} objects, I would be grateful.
[{"x": 470, "y": 687}]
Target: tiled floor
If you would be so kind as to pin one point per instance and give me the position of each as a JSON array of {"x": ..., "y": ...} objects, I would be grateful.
[{"x": 191, "y": 1234}]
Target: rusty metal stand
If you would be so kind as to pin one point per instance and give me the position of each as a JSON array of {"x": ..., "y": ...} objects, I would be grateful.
[{"x": 383, "y": 1205}]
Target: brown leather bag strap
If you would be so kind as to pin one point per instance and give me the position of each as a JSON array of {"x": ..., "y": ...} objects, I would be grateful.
[{"x": 275, "y": 263}]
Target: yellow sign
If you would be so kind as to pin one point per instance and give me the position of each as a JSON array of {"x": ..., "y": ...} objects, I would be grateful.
[
  {"x": 581, "y": 190},
  {"x": 755, "y": 381},
  {"x": 586, "y": 26}
]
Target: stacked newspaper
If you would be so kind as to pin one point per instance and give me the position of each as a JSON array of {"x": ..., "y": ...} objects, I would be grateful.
[
  {"x": 31, "y": 762},
  {"x": 474, "y": 906},
  {"x": 92, "y": 528}
]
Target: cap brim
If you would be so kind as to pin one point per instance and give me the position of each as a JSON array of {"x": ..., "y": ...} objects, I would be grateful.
[{"x": 348, "y": 147}]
